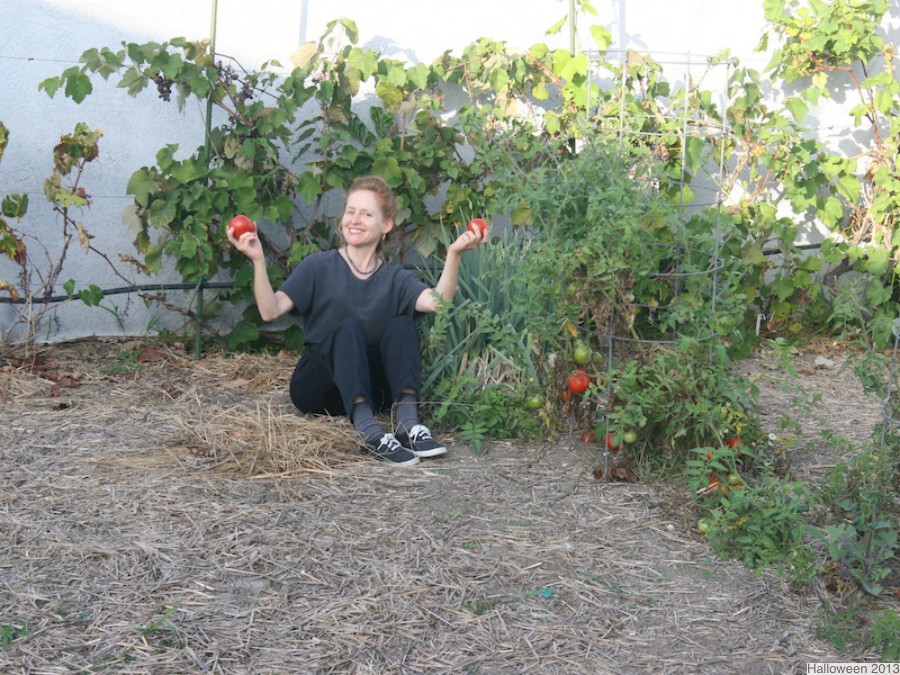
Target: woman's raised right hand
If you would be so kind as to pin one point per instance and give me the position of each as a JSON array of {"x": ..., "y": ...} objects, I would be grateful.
[{"x": 248, "y": 244}]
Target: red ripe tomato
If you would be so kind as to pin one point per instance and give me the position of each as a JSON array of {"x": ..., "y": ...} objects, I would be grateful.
[
  {"x": 240, "y": 225},
  {"x": 478, "y": 226},
  {"x": 565, "y": 395},
  {"x": 732, "y": 442},
  {"x": 578, "y": 382},
  {"x": 610, "y": 442},
  {"x": 589, "y": 436}
]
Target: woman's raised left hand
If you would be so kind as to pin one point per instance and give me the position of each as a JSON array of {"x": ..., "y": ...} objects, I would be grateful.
[{"x": 468, "y": 241}]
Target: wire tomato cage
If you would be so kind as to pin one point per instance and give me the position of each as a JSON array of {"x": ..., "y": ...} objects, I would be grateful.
[{"x": 645, "y": 325}]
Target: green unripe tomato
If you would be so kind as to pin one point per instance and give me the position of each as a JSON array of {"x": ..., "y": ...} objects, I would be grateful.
[
  {"x": 582, "y": 354},
  {"x": 534, "y": 402}
]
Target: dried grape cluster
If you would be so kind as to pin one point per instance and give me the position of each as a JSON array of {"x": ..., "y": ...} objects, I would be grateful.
[
  {"x": 229, "y": 76},
  {"x": 163, "y": 86}
]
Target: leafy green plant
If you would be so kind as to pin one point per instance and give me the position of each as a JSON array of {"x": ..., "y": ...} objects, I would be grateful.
[
  {"x": 762, "y": 524},
  {"x": 836, "y": 47},
  {"x": 163, "y": 629},
  {"x": 38, "y": 281},
  {"x": 13, "y": 206},
  {"x": 480, "y": 411},
  {"x": 65, "y": 191},
  {"x": 598, "y": 237},
  {"x": 857, "y": 629},
  {"x": 615, "y": 256},
  {"x": 860, "y": 534},
  {"x": 9, "y": 632},
  {"x": 622, "y": 273},
  {"x": 488, "y": 333},
  {"x": 862, "y": 557},
  {"x": 677, "y": 398},
  {"x": 886, "y": 635},
  {"x": 480, "y": 356}
]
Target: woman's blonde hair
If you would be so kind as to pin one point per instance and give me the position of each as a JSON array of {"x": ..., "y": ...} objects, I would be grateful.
[{"x": 387, "y": 202}]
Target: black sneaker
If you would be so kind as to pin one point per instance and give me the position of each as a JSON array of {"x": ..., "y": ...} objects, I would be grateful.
[
  {"x": 420, "y": 442},
  {"x": 388, "y": 448}
]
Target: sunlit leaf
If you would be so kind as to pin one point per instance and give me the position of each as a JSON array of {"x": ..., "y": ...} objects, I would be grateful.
[{"x": 304, "y": 54}]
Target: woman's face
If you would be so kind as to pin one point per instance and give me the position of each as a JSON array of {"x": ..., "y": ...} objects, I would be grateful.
[{"x": 363, "y": 223}]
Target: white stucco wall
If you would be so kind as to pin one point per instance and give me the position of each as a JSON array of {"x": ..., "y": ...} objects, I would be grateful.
[{"x": 40, "y": 38}]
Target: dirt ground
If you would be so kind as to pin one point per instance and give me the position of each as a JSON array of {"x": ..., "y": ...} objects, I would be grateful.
[{"x": 154, "y": 519}]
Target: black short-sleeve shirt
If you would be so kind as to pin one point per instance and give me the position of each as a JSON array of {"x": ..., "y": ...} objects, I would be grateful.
[{"x": 325, "y": 292}]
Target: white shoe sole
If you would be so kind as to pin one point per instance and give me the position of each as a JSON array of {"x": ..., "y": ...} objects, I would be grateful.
[{"x": 434, "y": 452}]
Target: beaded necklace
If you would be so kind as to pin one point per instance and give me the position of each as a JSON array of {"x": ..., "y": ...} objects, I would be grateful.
[{"x": 359, "y": 271}]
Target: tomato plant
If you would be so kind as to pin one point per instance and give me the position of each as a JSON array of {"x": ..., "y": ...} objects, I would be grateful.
[{"x": 701, "y": 407}]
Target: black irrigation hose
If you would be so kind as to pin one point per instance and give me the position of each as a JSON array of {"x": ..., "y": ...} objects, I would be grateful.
[
  {"x": 212, "y": 284},
  {"x": 801, "y": 247},
  {"x": 120, "y": 291}
]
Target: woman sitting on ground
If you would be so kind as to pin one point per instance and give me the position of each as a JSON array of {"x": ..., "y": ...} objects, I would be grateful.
[{"x": 362, "y": 351}]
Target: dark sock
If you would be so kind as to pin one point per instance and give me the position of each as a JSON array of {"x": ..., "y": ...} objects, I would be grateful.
[
  {"x": 364, "y": 420},
  {"x": 407, "y": 412}
]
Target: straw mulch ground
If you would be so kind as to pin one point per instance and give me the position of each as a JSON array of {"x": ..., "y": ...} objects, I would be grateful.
[{"x": 165, "y": 515}]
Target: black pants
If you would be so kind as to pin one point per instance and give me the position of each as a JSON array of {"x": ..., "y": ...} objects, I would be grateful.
[{"x": 342, "y": 368}]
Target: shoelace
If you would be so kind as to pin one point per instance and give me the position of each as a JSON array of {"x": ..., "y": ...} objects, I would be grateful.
[
  {"x": 421, "y": 435},
  {"x": 389, "y": 442}
]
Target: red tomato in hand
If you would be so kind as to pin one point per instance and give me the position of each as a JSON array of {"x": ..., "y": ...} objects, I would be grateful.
[
  {"x": 240, "y": 225},
  {"x": 578, "y": 382},
  {"x": 478, "y": 226}
]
